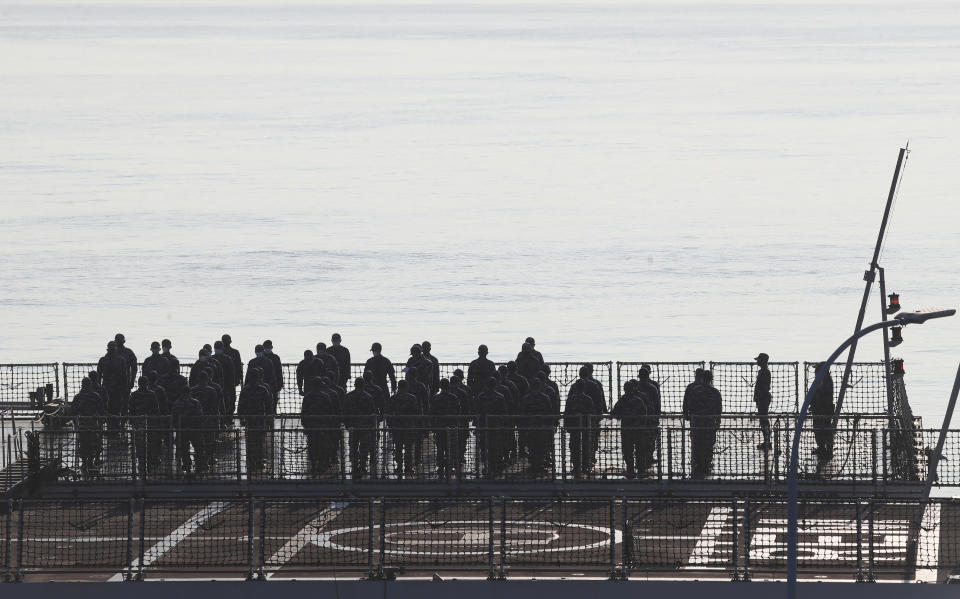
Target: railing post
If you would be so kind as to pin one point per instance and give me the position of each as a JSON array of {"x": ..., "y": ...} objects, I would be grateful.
[
  {"x": 370, "y": 525},
  {"x": 613, "y": 539},
  {"x": 669, "y": 453},
  {"x": 129, "y": 574},
  {"x": 343, "y": 455},
  {"x": 263, "y": 539},
  {"x": 870, "y": 577},
  {"x": 873, "y": 457},
  {"x": 886, "y": 446},
  {"x": 747, "y": 539},
  {"x": 18, "y": 577},
  {"x": 7, "y": 544},
  {"x": 250, "y": 533},
  {"x": 658, "y": 447},
  {"x": 563, "y": 454},
  {"x": 683, "y": 448},
  {"x": 490, "y": 537},
  {"x": 383, "y": 537},
  {"x": 736, "y": 548},
  {"x": 238, "y": 458},
  {"x": 859, "y": 544},
  {"x": 503, "y": 538},
  {"x": 140, "y": 547}
]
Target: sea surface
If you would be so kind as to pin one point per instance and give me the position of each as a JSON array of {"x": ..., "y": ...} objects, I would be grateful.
[{"x": 622, "y": 181}]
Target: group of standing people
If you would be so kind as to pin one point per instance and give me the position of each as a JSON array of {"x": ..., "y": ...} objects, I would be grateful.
[{"x": 512, "y": 409}]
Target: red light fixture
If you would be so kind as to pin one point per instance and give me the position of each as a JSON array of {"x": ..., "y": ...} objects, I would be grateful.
[
  {"x": 894, "y": 305},
  {"x": 896, "y": 337}
]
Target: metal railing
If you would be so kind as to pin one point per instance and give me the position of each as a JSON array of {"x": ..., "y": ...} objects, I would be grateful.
[
  {"x": 259, "y": 537},
  {"x": 477, "y": 448}
]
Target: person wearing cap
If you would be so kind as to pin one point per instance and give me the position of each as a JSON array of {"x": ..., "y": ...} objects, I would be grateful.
[
  {"x": 822, "y": 409},
  {"x": 261, "y": 361},
  {"x": 320, "y": 419},
  {"x": 491, "y": 429},
  {"x": 308, "y": 368},
  {"x": 254, "y": 409},
  {"x": 651, "y": 394},
  {"x": 585, "y": 406},
  {"x": 360, "y": 418},
  {"x": 87, "y": 411},
  {"x": 130, "y": 358},
  {"x": 435, "y": 371},
  {"x": 631, "y": 409},
  {"x": 762, "y": 398},
  {"x": 480, "y": 370},
  {"x": 234, "y": 355},
  {"x": 382, "y": 368},
  {"x": 155, "y": 362},
  {"x": 342, "y": 355},
  {"x": 528, "y": 364},
  {"x": 144, "y": 410}
]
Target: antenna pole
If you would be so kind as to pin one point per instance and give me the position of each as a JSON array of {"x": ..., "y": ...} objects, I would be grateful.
[{"x": 869, "y": 276}]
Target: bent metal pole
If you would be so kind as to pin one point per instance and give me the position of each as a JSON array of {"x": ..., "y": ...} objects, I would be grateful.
[{"x": 869, "y": 276}]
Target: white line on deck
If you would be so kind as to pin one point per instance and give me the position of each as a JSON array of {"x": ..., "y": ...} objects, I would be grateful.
[
  {"x": 302, "y": 538},
  {"x": 707, "y": 541},
  {"x": 174, "y": 538},
  {"x": 928, "y": 550}
]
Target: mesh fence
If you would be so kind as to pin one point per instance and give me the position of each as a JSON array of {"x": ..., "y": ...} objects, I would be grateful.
[
  {"x": 859, "y": 449},
  {"x": 80, "y": 535},
  {"x": 866, "y": 389},
  {"x": 17, "y": 381},
  {"x": 735, "y": 381},
  {"x": 677, "y": 535},
  {"x": 905, "y": 439},
  {"x": 559, "y": 534},
  {"x": 738, "y": 536},
  {"x": 316, "y": 534},
  {"x": 185, "y": 535},
  {"x": 673, "y": 378},
  {"x": 445, "y": 533}
]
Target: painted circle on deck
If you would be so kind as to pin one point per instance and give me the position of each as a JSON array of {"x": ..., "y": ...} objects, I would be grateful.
[{"x": 470, "y": 537}]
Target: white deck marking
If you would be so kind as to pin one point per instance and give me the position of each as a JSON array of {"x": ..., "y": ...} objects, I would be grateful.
[
  {"x": 303, "y": 538},
  {"x": 174, "y": 538},
  {"x": 707, "y": 540},
  {"x": 928, "y": 550}
]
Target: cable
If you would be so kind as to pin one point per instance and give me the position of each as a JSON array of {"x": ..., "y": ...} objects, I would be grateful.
[{"x": 893, "y": 204}]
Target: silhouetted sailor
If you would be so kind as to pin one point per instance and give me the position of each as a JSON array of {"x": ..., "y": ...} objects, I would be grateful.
[
  {"x": 382, "y": 368},
  {"x": 96, "y": 386},
  {"x": 704, "y": 412},
  {"x": 423, "y": 366},
  {"x": 762, "y": 397},
  {"x": 144, "y": 412},
  {"x": 174, "y": 363},
  {"x": 651, "y": 395},
  {"x": 690, "y": 390},
  {"x": 129, "y": 357},
  {"x": 447, "y": 422},
  {"x": 235, "y": 357},
  {"x": 342, "y": 355},
  {"x": 631, "y": 409},
  {"x": 533, "y": 345},
  {"x": 405, "y": 419},
  {"x": 188, "y": 419},
  {"x": 155, "y": 361},
  {"x": 115, "y": 372},
  {"x": 163, "y": 422},
  {"x": 458, "y": 388},
  {"x": 537, "y": 409},
  {"x": 418, "y": 389},
  {"x": 491, "y": 409},
  {"x": 360, "y": 418},
  {"x": 265, "y": 365},
  {"x": 822, "y": 409},
  {"x": 427, "y": 348},
  {"x": 378, "y": 393},
  {"x": 210, "y": 402},
  {"x": 277, "y": 369},
  {"x": 200, "y": 366},
  {"x": 583, "y": 410},
  {"x": 321, "y": 424},
  {"x": 528, "y": 362},
  {"x": 308, "y": 368},
  {"x": 509, "y": 391},
  {"x": 330, "y": 364},
  {"x": 255, "y": 408},
  {"x": 88, "y": 413},
  {"x": 228, "y": 376},
  {"x": 480, "y": 370}
]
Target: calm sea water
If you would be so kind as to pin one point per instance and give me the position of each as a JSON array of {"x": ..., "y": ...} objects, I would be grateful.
[{"x": 634, "y": 181}]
